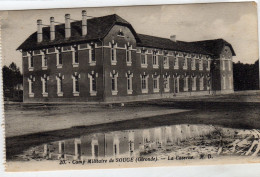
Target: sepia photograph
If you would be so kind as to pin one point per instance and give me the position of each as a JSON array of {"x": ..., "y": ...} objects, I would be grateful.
[{"x": 130, "y": 86}]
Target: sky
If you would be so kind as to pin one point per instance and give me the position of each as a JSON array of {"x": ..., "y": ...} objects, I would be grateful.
[{"x": 233, "y": 22}]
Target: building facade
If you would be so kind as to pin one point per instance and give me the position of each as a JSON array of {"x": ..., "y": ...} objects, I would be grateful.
[{"x": 103, "y": 59}]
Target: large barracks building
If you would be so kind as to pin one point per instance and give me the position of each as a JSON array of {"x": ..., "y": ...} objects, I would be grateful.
[{"x": 103, "y": 59}]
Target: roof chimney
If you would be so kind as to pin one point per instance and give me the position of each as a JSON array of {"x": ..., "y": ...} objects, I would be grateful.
[
  {"x": 84, "y": 23},
  {"x": 52, "y": 29},
  {"x": 67, "y": 26},
  {"x": 39, "y": 30},
  {"x": 173, "y": 38}
]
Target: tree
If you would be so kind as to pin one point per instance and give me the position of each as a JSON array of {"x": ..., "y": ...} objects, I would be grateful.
[{"x": 12, "y": 77}]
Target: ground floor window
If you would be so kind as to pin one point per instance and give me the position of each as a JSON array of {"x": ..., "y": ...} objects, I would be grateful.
[
  {"x": 77, "y": 149},
  {"x": 75, "y": 78},
  {"x": 194, "y": 83},
  {"x": 186, "y": 83},
  {"x": 116, "y": 146},
  {"x": 59, "y": 79},
  {"x": 144, "y": 83},
  {"x": 114, "y": 76},
  {"x": 94, "y": 148},
  {"x": 31, "y": 80},
  {"x": 156, "y": 83},
  {"x": 44, "y": 80},
  {"x": 166, "y": 82},
  {"x": 202, "y": 83},
  {"x": 176, "y": 84},
  {"x": 224, "y": 82},
  {"x": 93, "y": 83},
  {"x": 129, "y": 78}
]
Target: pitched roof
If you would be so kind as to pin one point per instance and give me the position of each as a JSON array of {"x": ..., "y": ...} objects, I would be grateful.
[
  {"x": 97, "y": 29},
  {"x": 208, "y": 47}
]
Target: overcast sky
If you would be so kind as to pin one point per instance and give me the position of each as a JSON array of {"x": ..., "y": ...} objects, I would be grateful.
[{"x": 234, "y": 22}]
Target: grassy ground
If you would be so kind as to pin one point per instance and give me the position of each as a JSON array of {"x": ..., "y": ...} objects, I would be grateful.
[{"x": 30, "y": 125}]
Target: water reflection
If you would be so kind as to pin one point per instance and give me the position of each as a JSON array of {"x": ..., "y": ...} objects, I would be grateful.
[{"x": 128, "y": 143}]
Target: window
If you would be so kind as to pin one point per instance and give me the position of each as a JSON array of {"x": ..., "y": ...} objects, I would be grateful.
[
  {"x": 176, "y": 63},
  {"x": 166, "y": 83},
  {"x": 144, "y": 83},
  {"x": 94, "y": 145},
  {"x": 116, "y": 146},
  {"x": 186, "y": 83},
  {"x": 62, "y": 149},
  {"x": 155, "y": 60},
  {"x": 31, "y": 62},
  {"x": 230, "y": 82},
  {"x": 131, "y": 143},
  {"x": 193, "y": 64},
  {"x": 31, "y": 79},
  {"x": 113, "y": 54},
  {"x": 128, "y": 56},
  {"x": 176, "y": 84},
  {"x": 202, "y": 83},
  {"x": 75, "y": 79},
  {"x": 45, "y": 79},
  {"x": 77, "y": 143},
  {"x": 143, "y": 59},
  {"x": 185, "y": 64},
  {"x": 129, "y": 77},
  {"x": 75, "y": 57},
  {"x": 194, "y": 83},
  {"x": 208, "y": 83},
  {"x": 114, "y": 76},
  {"x": 120, "y": 33},
  {"x": 224, "y": 82},
  {"x": 165, "y": 62},
  {"x": 223, "y": 65},
  {"x": 59, "y": 59},
  {"x": 92, "y": 55},
  {"x": 93, "y": 83},
  {"x": 44, "y": 61},
  {"x": 200, "y": 64},
  {"x": 229, "y": 65},
  {"x": 59, "y": 84},
  {"x": 156, "y": 83},
  {"x": 208, "y": 67}
]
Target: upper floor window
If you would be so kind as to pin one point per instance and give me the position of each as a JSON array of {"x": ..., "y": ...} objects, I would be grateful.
[
  {"x": 176, "y": 63},
  {"x": 92, "y": 55},
  {"x": 143, "y": 59},
  {"x": 165, "y": 62},
  {"x": 128, "y": 56},
  {"x": 208, "y": 65},
  {"x": 223, "y": 65},
  {"x": 45, "y": 79},
  {"x": 229, "y": 64},
  {"x": 93, "y": 83},
  {"x": 31, "y": 62},
  {"x": 75, "y": 78},
  {"x": 75, "y": 57},
  {"x": 224, "y": 82},
  {"x": 59, "y": 79},
  {"x": 193, "y": 64},
  {"x": 44, "y": 61},
  {"x": 129, "y": 77},
  {"x": 113, "y": 54},
  {"x": 185, "y": 63},
  {"x": 200, "y": 64},
  {"x": 114, "y": 76},
  {"x": 59, "y": 58},
  {"x": 31, "y": 81},
  {"x": 155, "y": 60}
]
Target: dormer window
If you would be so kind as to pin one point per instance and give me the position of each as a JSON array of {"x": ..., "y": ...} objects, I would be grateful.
[{"x": 120, "y": 33}]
